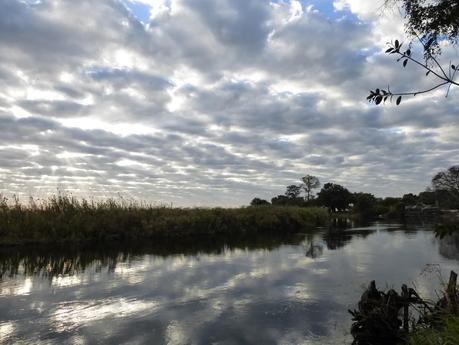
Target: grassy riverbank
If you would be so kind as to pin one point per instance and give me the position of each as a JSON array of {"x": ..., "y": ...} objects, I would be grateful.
[
  {"x": 63, "y": 218},
  {"x": 446, "y": 333}
]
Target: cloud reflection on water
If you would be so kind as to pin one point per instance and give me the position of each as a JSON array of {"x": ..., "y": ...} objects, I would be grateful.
[{"x": 241, "y": 292}]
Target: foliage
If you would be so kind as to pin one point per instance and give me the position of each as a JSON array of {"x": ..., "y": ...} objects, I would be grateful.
[
  {"x": 446, "y": 229},
  {"x": 309, "y": 183},
  {"x": 430, "y": 22},
  {"x": 391, "y": 318},
  {"x": 379, "y": 96},
  {"x": 410, "y": 199},
  {"x": 64, "y": 218},
  {"x": 448, "y": 333},
  {"x": 448, "y": 181},
  {"x": 293, "y": 191},
  {"x": 433, "y": 21},
  {"x": 286, "y": 201},
  {"x": 259, "y": 202},
  {"x": 365, "y": 205},
  {"x": 335, "y": 197}
]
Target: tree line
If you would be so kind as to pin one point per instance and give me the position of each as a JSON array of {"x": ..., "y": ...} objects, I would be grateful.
[{"x": 443, "y": 193}]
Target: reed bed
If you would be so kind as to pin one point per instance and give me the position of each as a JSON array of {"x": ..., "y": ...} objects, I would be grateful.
[{"x": 62, "y": 218}]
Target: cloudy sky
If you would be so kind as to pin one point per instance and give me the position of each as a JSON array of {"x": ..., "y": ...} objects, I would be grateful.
[{"x": 211, "y": 102}]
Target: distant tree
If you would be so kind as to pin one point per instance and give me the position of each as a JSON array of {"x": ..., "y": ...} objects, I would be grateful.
[
  {"x": 335, "y": 197},
  {"x": 390, "y": 207},
  {"x": 293, "y": 191},
  {"x": 259, "y": 202},
  {"x": 430, "y": 22},
  {"x": 390, "y": 201},
  {"x": 410, "y": 199},
  {"x": 365, "y": 204},
  {"x": 309, "y": 183},
  {"x": 448, "y": 181},
  {"x": 428, "y": 197},
  {"x": 281, "y": 200},
  {"x": 287, "y": 201}
]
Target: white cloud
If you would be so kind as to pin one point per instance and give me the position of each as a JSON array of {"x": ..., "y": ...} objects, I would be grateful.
[{"x": 211, "y": 102}]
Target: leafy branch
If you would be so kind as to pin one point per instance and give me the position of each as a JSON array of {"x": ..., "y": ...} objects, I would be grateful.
[{"x": 379, "y": 96}]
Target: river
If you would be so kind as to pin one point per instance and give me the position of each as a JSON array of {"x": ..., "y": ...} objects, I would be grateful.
[{"x": 265, "y": 289}]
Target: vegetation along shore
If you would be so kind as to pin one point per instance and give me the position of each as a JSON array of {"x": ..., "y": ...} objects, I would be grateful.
[{"x": 64, "y": 218}]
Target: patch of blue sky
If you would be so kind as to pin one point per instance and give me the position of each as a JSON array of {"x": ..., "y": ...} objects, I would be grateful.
[
  {"x": 326, "y": 8},
  {"x": 139, "y": 10},
  {"x": 142, "y": 11},
  {"x": 369, "y": 51}
]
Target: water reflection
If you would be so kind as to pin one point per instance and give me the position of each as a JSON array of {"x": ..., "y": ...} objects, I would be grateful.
[
  {"x": 293, "y": 289},
  {"x": 67, "y": 260}
]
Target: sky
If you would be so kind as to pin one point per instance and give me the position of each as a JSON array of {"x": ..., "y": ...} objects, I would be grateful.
[{"x": 212, "y": 102}]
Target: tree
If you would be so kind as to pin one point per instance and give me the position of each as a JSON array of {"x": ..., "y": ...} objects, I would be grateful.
[
  {"x": 293, "y": 191},
  {"x": 410, "y": 199},
  {"x": 448, "y": 181},
  {"x": 259, "y": 202},
  {"x": 335, "y": 197},
  {"x": 429, "y": 22},
  {"x": 309, "y": 183},
  {"x": 287, "y": 201},
  {"x": 365, "y": 204}
]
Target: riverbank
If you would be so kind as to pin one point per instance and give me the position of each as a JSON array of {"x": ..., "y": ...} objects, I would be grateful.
[
  {"x": 446, "y": 333},
  {"x": 66, "y": 219}
]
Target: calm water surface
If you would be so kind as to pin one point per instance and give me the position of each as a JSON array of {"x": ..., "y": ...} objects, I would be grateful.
[{"x": 258, "y": 290}]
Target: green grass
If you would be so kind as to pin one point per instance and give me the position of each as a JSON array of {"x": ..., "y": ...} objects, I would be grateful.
[
  {"x": 446, "y": 334},
  {"x": 64, "y": 218}
]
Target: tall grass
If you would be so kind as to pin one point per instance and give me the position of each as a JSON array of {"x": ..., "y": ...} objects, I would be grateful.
[
  {"x": 64, "y": 218},
  {"x": 446, "y": 334}
]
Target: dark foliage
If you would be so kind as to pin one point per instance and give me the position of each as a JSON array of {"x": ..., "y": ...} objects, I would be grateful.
[
  {"x": 428, "y": 22},
  {"x": 433, "y": 21},
  {"x": 259, "y": 202},
  {"x": 365, "y": 204},
  {"x": 448, "y": 181},
  {"x": 335, "y": 197},
  {"x": 66, "y": 219},
  {"x": 293, "y": 191},
  {"x": 309, "y": 184}
]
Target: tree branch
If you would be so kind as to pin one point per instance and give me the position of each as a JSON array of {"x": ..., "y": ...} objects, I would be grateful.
[{"x": 379, "y": 96}]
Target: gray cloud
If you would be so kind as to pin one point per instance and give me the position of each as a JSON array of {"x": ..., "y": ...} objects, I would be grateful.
[{"x": 209, "y": 103}]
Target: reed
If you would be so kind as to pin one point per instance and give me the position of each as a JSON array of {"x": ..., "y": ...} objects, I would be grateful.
[{"x": 62, "y": 218}]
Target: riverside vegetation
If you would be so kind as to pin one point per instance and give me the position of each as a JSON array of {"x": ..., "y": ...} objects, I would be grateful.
[{"x": 64, "y": 218}]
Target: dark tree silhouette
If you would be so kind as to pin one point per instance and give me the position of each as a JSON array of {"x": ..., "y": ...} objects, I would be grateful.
[
  {"x": 428, "y": 22},
  {"x": 309, "y": 183},
  {"x": 293, "y": 191},
  {"x": 431, "y": 20},
  {"x": 259, "y": 202},
  {"x": 448, "y": 181},
  {"x": 335, "y": 197},
  {"x": 365, "y": 204}
]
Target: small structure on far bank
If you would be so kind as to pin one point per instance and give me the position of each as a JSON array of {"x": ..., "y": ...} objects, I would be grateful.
[{"x": 422, "y": 212}]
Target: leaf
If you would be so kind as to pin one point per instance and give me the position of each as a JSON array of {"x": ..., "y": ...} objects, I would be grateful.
[
  {"x": 389, "y": 50},
  {"x": 405, "y": 62},
  {"x": 427, "y": 73},
  {"x": 408, "y": 52},
  {"x": 397, "y": 44},
  {"x": 378, "y": 99},
  {"x": 399, "y": 99},
  {"x": 453, "y": 67}
]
